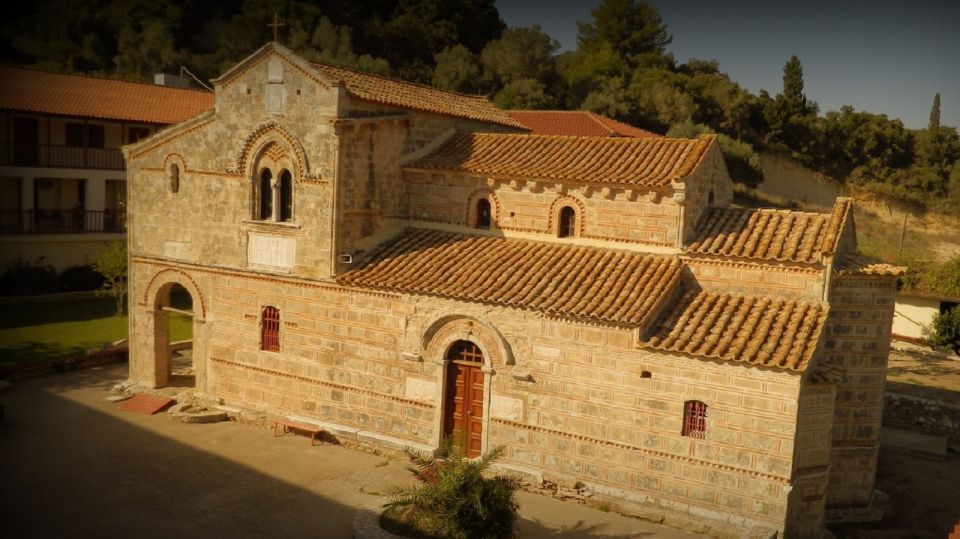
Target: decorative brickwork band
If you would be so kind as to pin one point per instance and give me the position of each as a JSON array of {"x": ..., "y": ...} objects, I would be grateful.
[
  {"x": 332, "y": 385},
  {"x": 651, "y": 452}
]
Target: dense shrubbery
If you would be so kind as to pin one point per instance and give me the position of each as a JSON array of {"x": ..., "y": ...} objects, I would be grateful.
[
  {"x": 453, "y": 499},
  {"x": 945, "y": 330},
  {"x": 79, "y": 278},
  {"x": 23, "y": 278}
]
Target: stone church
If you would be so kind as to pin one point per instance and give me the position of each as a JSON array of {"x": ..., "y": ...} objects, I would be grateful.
[{"x": 400, "y": 264}]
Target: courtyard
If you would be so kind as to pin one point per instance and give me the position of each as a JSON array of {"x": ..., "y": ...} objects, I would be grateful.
[{"x": 74, "y": 465}]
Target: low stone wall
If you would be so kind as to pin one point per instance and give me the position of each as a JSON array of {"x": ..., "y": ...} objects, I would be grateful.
[{"x": 922, "y": 415}]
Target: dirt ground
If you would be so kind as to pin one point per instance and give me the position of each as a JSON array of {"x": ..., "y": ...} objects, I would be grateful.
[
  {"x": 922, "y": 372},
  {"x": 74, "y": 465}
]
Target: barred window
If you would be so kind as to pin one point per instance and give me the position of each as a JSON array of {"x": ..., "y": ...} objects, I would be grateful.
[
  {"x": 695, "y": 419},
  {"x": 270, "y": 329}
]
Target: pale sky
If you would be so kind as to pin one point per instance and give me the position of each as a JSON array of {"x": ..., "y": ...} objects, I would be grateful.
[{"x": 881, "y": 56}]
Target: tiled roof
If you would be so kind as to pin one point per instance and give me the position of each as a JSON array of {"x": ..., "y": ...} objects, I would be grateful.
[
  {"x": 754, "y": 330},
  {"x": 770, "y": 234},
  {"x": 29, "y": 90},
  {"x": 416, "y": 96},
  {"x": 577, "y": 123},
  {"x": 565, "y": 280},
  {"x": 630, "y": 161},
  {"x": 853, "y": 264}
]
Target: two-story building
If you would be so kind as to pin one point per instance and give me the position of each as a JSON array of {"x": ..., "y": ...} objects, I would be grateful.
[
  {"x": 62, "y": 174},
  {"x": 400, "y": 264}
]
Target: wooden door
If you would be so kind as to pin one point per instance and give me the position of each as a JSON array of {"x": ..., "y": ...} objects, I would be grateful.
[{"x": 463, "y": 409}]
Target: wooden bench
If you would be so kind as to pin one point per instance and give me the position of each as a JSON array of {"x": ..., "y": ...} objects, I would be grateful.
[{"x": 284, "y": 426}]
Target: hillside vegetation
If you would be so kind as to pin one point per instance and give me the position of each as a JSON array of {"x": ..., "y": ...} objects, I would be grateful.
[{"x": 620, "y": 68}]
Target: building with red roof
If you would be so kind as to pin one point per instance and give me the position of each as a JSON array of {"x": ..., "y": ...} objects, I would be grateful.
[
  {"x": 576, "y": 123},
  {"x": 62, "y": 174}
]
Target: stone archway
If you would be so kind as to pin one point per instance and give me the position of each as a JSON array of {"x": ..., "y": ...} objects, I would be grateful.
[
  {"x": 156, "y": 369},
  {"x": 467, "y": 351}
]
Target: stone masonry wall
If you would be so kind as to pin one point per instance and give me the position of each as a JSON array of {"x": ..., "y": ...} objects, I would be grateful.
[
  {"x": 710, "y": 178},
  {"x": 809, "y": 494},
  {"x": 370, "y": 186},
  {"x": 575, "y": 402},
  {"x": 858, "y": 339},
  {"x": 776, "y": 280},
  {"x": 628, "y": 216},
  {"x": 209, "y": 219}
]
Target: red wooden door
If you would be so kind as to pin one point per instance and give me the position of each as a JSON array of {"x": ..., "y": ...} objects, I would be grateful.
[{"x": 463, "y": 413}]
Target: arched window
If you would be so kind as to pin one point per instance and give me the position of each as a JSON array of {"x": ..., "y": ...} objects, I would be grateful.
[
  {"x": 695, "y": 419},
  {"x": 286, "y": 196},
  {"x": 483, "y": 213},
  {"x": 174, "y": 178},
  {"x": 266, "y": 195},
  {"x": 270, "y": 329},
  {"x": 568, "y": 223}
]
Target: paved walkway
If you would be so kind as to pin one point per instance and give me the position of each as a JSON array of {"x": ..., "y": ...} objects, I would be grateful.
[{"x": 74, "y": 465}]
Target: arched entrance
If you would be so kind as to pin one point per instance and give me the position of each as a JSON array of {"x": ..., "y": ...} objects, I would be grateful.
[
  {"x": 464, "y": 396},
  {"x": 173, "y": 337}
]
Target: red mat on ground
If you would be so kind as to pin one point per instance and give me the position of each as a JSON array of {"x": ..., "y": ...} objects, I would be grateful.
[{"x": 147, "y": 404}]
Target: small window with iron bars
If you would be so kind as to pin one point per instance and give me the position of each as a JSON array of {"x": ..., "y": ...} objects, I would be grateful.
[
  {"x": 270, "y": 329},
  {"x": 695, "y": 419}
]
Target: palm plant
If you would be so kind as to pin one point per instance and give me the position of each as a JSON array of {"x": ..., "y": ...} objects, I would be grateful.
[{"x": 453, "y": 498}]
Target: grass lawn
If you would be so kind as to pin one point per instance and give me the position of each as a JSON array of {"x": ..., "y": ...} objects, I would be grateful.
[{"x": 36, "y": 331}]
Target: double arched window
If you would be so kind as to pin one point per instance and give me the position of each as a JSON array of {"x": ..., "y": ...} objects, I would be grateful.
[{"x": 274, "y": 196}]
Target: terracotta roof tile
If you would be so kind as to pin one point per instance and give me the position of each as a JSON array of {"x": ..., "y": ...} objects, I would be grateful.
[
  {"x": 630, "y": 161},
  {"x": 754, "y": 330},
  {"x": 576, "y": 123},
  {"x": 854, "y": 264},
  {"x": 565, "y": 280},
  {"x": 766, "y": 234},
  {"x": 29, "y": 90},
  {"x": 417, "y": 96}
]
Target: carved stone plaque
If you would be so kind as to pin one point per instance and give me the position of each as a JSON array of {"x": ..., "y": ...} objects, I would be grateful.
[{"x": 271, "y": 251}]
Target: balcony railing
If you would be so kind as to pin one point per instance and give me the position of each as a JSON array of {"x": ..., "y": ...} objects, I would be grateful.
[
  {"x": 49, "y": 155},
  {"x": 63, "y": 222}
]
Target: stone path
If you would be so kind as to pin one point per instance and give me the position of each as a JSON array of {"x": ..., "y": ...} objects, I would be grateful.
[{"x": 74, "y": 465}]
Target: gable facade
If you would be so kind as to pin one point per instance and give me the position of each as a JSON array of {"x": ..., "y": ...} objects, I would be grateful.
[{"x": 401, "y": 264}]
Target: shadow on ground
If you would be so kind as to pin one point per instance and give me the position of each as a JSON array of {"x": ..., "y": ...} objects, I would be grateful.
[{"x": 73, "y": 471}]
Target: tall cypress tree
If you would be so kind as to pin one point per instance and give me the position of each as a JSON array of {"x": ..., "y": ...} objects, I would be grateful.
[
  {"x": 935, "y": 116},
  {"x": 793, "y": 95}
]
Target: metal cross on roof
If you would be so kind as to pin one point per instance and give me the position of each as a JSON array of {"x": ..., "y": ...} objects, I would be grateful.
[{"x": 276, "y": 24}]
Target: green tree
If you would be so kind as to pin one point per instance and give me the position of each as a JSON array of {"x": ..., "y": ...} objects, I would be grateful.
[
  {"x": 934, "y": 125},
  {"x": 630, "y": 27},
  {"x": 112, "y": 264},
  {"x": 457, "y": 69},
  {"x": 454, "y": 499},
  {"x": 520, "y": 53},
  {"x": 523, "y": 94},
  {"x": 945, "y": 330}
]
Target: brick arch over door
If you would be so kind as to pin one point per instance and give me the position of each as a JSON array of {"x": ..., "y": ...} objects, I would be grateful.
[
  {"x": 440, "y": 336},
  {"x": 166, "y": 277}
]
